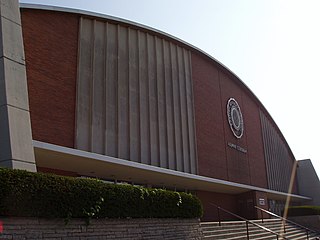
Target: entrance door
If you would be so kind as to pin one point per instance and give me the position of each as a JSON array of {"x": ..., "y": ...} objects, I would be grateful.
[{"x": 246, "y": 203}]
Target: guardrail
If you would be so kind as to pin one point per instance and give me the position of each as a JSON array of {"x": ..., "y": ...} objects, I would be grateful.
[
  {"x": 247, "y": 222},
  {"x": 285, "y": 220}
]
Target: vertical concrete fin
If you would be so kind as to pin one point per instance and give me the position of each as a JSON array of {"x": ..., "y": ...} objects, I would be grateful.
[
  {"x": 98, "y": 79},
  {"x": 111, "y": 130},
  {"x": 153, "y": 98},
  {"x": 16, "y": 149},
  {"x": 134, "y": 110},
  {"x": 190, "y": 114},
  {"x": 144, "y": 99},
  {"x": 169, "y": 105},
  {"x": 123, "y": 106},
  {"x": 135, "y": 98},
  {"x": 183, "y": 111},
  {"x": 279, "y": 164},
  {"x": 83, "y": 123},
  {"x": 161, "y": 94}
]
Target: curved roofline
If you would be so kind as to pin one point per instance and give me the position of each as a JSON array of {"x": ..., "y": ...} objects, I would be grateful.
[{"x": 105, "y": 16}]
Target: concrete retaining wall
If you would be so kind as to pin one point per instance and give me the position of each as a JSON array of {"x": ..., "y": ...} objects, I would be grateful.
[{"x": 76, "y": 229}]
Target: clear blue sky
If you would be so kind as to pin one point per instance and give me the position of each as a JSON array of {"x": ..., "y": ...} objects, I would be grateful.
[{"x": 272, "y": 45}]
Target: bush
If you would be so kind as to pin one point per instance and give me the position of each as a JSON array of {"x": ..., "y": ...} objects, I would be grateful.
[
  {"x": 27, "y": 194},
  {"x": 303, "y": 211}
]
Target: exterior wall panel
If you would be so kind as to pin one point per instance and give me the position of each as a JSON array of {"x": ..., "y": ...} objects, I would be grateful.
[
  {"x": 85, "y": 86},
  {"x": 211, "y": 148},
  {"x": 134, "y": 110},
  {"x": 279, "y": 162},
  {"x": 123, "y": 96},
  {"x": 226, "y": 201},
  {"x": 134, "y": 97},
  {"x": 111, "y": 98},
  {"x": 176, "y": 107},
  {"x": 169, "y": 105},
  {"x": 153, "y": 101},
  {"x": 98, "y": 108},
  {"x": 257, "y": 165},
  {"x": 161, "y": 94},
  {"x": 144, "y": 99},
  {"x": 212, "y": 89},
  {"x": 138, "y": 96},
  {"x": 193, "y": 161},
  {"x": 237, "y": 162},
  {"x": 51, "y": 45}
]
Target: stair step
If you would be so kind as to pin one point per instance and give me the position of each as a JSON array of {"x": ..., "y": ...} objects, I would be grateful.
[
  {"x": 223, "y": 234},
  {"x": 236, "y": 230}
]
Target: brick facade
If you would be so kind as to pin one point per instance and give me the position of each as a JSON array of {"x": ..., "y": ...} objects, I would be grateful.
[
  {"x": 213, "y": 86},
  {"x": 51, "y": 46},
  {"x": 226, "y": 201},
  {"x": 51, "y": 55},
  {"x": 51, "y": 49}
]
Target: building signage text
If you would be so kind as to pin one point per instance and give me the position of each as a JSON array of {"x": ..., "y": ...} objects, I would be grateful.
[{"x": 237, "y": 147}]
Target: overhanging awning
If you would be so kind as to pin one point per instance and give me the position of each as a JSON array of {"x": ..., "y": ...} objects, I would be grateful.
[{"x": 106, "y": 167}]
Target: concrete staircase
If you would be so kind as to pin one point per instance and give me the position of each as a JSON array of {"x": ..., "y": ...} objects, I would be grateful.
[{"x": 236, "y": 230}]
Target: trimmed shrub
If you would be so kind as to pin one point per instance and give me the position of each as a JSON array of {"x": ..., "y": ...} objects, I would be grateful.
[
  {"x": 27, "y": 194},
  {"x": 303, "y": 211}
]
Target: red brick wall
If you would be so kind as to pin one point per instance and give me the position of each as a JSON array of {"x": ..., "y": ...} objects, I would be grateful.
[
  {"x": 212, "y": 89},
  {"x": 237, "y": 162},
  {"x": 211, "y": 147},
  {"x": 51, "y": 42},
  {"x": 257, "y": 169},
  {"x": 226, "y": 201},
  {"x": 240, "y": 204}
]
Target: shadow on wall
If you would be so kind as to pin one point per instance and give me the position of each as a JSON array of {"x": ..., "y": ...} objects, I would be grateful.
[{"x": 308, "y": 181}]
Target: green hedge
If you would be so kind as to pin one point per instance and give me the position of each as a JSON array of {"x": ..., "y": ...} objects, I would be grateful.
[
  {"x": 29, "y": 194},
  {"x": 303, "y": 210}
]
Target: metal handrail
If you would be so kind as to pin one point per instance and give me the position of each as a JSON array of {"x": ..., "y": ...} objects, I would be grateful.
[
  {"x": 247, "y": 221},
  {"x": 286, "y": 220}
]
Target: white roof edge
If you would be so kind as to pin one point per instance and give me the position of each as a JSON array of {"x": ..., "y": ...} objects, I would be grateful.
[{"x": 85, "y": 154}]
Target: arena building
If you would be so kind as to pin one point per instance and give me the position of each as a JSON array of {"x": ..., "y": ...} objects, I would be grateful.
[{"x": 89, "y": 95}]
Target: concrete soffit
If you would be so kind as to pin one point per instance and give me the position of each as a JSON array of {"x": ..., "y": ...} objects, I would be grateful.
[{"x": 109, "y": 168}]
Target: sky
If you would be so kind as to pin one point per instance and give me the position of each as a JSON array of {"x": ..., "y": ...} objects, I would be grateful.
[{"x": 273, "y": 46}]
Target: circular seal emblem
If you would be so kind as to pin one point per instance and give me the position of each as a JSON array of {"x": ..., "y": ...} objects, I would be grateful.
[{"x": 235, "y": 117}]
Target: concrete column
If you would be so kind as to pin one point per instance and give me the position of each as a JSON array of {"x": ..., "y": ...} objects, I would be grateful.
[{"x": 16, "y": 150}]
